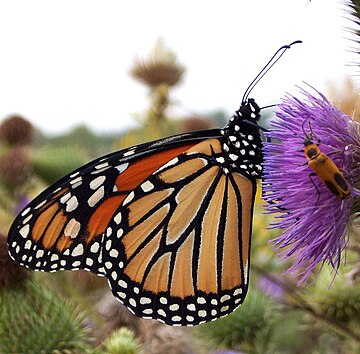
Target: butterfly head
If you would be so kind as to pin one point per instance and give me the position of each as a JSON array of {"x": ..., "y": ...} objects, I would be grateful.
[{"x": 249, "y": 110}]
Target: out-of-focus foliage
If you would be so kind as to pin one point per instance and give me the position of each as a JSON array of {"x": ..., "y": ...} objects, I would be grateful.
[
  {"x": 36, "y": 320},
  {"x": 353, "y": 9},
  {"x": 53, "y": 162},
  {"x": 81, "y": 137},
  {"x": 346, "y": 98},
  {"x": 121, "y": 341},
  {"x": 340, "y": 302}
]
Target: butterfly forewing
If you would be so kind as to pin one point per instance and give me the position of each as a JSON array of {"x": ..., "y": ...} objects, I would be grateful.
[
  {"x": 178, "y": 248},
  {"x": 64, "y": 227}
]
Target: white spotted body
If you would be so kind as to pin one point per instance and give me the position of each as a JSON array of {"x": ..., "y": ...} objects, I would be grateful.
[{"x": 243, "y": 141}]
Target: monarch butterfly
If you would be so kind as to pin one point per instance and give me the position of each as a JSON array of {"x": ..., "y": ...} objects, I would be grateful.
[
  {"x": 327, "y": 171},
  {"x": 167, "y": 222}
]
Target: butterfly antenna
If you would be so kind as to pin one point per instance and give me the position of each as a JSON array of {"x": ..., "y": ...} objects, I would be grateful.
[
  {"x": 269, "y": 106},
  {"x": 278, "y": 54}
]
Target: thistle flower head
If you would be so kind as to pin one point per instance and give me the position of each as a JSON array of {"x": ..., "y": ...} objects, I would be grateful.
[
  {"x": 14, "y": 168},
  {"x": 161, "y": 68},
  {"x": 16, "y": 130},
  {"x": 313, "y": 219},
  {"x": 11, "y": 274}
]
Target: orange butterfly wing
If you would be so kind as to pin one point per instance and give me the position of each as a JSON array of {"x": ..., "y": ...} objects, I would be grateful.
[
  {"x": 63, "y": 228},
  {"x": 177, "y": 250}
]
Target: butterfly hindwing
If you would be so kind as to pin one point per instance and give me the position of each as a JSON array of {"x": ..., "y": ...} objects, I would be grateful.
[
  {"x": 64, "y": 227},
  {"x": 178, "y": 248}
]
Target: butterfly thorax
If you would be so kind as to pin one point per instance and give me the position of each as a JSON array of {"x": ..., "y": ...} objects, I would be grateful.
[{"x": 242, "y": 141}]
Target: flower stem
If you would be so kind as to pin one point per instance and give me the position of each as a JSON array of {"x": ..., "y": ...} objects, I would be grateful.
[{"x": 302, "y": 304}]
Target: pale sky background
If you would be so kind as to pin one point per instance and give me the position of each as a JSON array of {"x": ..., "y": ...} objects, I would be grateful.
[{"x": 66, "y": 62}]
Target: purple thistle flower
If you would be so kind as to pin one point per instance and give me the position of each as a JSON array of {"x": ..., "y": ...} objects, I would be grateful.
[
  {"x": 22, "y": 202},
  {"x": 270, "y": 288},
  {"x": 314, "y": 220}
]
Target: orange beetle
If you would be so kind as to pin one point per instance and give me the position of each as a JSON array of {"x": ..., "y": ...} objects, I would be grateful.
[{"x": 326, "y": 169}]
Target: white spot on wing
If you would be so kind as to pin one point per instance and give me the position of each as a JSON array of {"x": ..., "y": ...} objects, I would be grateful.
[
  {"x": 39, "y": 253},
  {"x": 121, "y": 295},
  {"x": 54, "y": 258},
  {"x": 72, "y": 228},
  {"x": 147, "y": 186},
  {"x": 27, "y": 219},
  {"x": 122, "y": 283},
  {"x": 172, "y": 162},
  {"x": 25, "y": 211},
  {"x": 224, "y": 308},
  {"x": 97, "y": 182},
  {"x": 145, "y": 300},
  {"x": 96, "y": 197},
  {"x": 76, "y": 182},
  {"x": 174, "y": 307},
  {"x": 114, "y": 253},
  {"x": 108, "y": 245},
  {"x": 121, "y": 168},
  {"x": 161, "y": 312},
  {"x": 102, "y": 165},
  {"x": 72, "y": 204},
  {"x": 202, "y": 313},
  {"x": 24, "y": 231},
  {"x": 117, "y": 218},
  {"x": 237, "y": 292},
  {"x": 129, "y": 198},
  {"x": 40, "y": 204},
  {"x": 129, "y": 153},
  {"x": 78, "y": 250},
  {"x": 65, "y": 198},
  {"x": 95, "y": 247},
  {"x": 246, "y": 272},
  {"x": 224, "y": 298},
  {"x": 201, "y": 300}
]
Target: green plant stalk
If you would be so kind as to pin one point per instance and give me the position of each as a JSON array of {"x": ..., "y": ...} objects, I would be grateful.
[{"x": 303, "y": 305}]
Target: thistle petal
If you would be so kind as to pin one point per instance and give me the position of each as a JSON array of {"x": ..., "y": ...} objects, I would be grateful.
[{"x": 314, "y": 220}]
